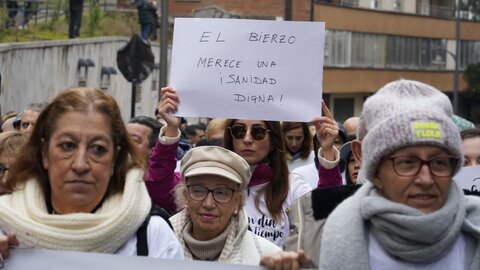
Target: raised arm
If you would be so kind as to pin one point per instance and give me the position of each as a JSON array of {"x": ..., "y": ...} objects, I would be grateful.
[
  {"x": 161, "y": 178},
  {"x": 328, "y": 155}
]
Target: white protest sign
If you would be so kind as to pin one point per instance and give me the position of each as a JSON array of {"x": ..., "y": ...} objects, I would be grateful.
[
  {"x": 469, "y": 178},
  {"x": 248, "y": 69},
  {"x": 38, "y": 259}
]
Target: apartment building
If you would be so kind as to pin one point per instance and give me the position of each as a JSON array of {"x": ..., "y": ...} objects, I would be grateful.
[{"x": 370, "y": 42}]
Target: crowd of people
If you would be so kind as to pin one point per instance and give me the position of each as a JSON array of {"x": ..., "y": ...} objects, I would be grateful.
[{"x": 373, "y": 192}]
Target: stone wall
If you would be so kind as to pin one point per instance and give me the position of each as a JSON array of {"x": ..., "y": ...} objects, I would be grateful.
[{"x": 38, "y": 71}]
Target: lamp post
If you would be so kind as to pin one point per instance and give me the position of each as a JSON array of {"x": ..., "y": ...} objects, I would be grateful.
[
  {"x": 457, "y": 51},
  {"x": 163, "y": 47},
  {"x": 455, "y": 77}
]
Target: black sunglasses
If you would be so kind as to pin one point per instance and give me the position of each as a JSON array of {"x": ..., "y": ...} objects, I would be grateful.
[{"x": 257, "y": 132}]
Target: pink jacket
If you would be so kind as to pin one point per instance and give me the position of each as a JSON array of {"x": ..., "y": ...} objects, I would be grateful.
[{"x": 161, "y": 178}]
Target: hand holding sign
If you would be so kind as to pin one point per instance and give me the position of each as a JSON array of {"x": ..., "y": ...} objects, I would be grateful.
[{"x": 166, "y": 107}]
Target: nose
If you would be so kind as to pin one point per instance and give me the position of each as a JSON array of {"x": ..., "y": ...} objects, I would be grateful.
[
  {"x": 29, "y": 128},
  {"x": 80, "y": 163},
  {"x": 209, "y": 202},
  {"x": 248, "y": 137},
  {"x": 424, "y": 176}
]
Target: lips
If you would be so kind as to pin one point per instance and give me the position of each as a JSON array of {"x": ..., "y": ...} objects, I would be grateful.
[
  {"x": 208, "y": 217},
  {"x": 422, "y": 199}
]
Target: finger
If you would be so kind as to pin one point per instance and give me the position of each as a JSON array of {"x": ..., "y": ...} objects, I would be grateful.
[
  {"x": 166, "y": 89},
  {"x": 4, "y": 247},
  {"x": 287, "y": 261},
  {"x": 303, "y": 259},
  {"x": 267, "y": 261},
  {"x": 12, "y": 239},
  {"x": 326, "y": 111}
]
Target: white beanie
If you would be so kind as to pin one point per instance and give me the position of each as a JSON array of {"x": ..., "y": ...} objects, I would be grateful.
[{"x": 405, "y": 113}]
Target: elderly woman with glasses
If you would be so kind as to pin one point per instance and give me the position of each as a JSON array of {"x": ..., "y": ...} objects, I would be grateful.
[
  {"x": 78, "y": 184},
  {"x": 409, "y": 213},
  {"x": 271, "y": 188},
  {"x": 212, "y": 225}
]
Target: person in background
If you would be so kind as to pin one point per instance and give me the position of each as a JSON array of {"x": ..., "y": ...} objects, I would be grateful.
[
  {"x": 212, "y": 225},
  {"x": 147, "y": 17},
  {"x": 215, "y": 128},
  {"x": 29, "y": 116},
  {"x": 350, "y": 125},
  {"x": 194, "y": 134},
  {"x": 348, "y": 164},
  {"x": 75, "y": 18},
  {"x": 298, "y": 143},
  {"x": 8, "y": 120},
  {"x": 471, "y": 146},
  {"x": 144, "y": 132},
  {"x": 341, "y": 137},
  {"x": 10, "y": 144},
  {"x": 214, "y": 132},
  {"x": 271, "y": 189},
  {"x": 79, "y": 179}
]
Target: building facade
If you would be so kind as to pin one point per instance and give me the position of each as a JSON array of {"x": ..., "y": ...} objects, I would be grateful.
[{"x": 370, "y": 42}]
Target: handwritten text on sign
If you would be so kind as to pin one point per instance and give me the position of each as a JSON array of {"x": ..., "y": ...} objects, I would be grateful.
[
  {"x": 248, "y": 69},
  {"x": 469, "y": 178}
]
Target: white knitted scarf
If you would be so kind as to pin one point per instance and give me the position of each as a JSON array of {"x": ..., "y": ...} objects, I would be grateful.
[
  {"x": 403, "y": 232},
  {"x": 104, "y": 231}
]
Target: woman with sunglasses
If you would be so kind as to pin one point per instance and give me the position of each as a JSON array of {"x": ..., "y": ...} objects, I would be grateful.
[
  {"x": 271, "y": 189},
  {"x": 212, "y": 225}
]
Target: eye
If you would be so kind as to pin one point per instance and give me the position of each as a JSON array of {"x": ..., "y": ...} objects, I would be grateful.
[
  {"x": 67, "y": 146},
  {"x": 99, "y": 149}
]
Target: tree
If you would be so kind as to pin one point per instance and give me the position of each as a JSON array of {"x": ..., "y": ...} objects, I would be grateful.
[
  {"x": 472, "y": 77},
  {"x": 472, "y": 9}
]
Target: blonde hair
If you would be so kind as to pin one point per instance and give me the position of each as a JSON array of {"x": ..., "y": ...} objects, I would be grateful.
[
  {"x": 214, "y": 127},
  {"x": 12, "y": 141}
]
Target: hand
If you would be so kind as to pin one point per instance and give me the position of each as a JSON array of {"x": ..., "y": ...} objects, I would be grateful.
[
  {"x": 6, "y": 241},
  {"x": 327, "y": 131},
  {"x": 166, "y": 106},
  {"x": 285, "y": 260}
]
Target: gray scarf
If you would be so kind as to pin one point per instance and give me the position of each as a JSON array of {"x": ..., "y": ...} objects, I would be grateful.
[{"x": 403, "y": 232}]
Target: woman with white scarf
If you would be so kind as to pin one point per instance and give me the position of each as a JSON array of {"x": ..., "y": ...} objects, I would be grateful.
[
  {"x": 409, "y": 213},
  {"x": 78, "y": 184}
]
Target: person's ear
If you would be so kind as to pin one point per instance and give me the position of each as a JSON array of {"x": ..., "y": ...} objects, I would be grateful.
[
  {"x": 377, "y": 182},
  {"x": 43, "y": 148},
  {"x": 357, "y": 151}
]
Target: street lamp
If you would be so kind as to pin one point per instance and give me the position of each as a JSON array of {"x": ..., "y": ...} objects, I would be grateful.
[{"x": 455, "y": 75}]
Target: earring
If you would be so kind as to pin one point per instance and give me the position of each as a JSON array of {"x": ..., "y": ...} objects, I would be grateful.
[
  {"x": 185, "y": 206},
  {"x": 235, "y": 212}
]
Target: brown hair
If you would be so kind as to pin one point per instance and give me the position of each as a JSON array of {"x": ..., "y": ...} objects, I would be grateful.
[
  {"x": 470, "y": 133},
  {"x": 276, "y": 191},
  {"x": 306, "y": 147},
  {"x": 29, "y": 163},
  {"x": 12, "y": 141}
]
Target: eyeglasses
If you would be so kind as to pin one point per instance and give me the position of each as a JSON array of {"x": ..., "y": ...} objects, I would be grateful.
[
  {"x": 3, "y": 169},
  {"x": 410, "y": 165},
  {"x": 200, "y": 193},
  {"x": 256, "y": 131}
]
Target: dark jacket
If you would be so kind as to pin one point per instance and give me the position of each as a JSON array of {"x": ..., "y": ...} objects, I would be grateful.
[{"x": 147, "y": 13}]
